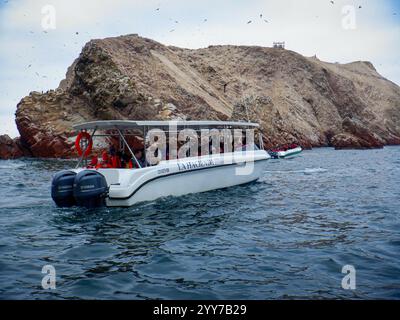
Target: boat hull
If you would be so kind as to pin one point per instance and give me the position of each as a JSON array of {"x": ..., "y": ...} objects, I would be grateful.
[
  {"x": 186, "y": 176},
  {"x": 126, "y": 187},
  {"x": 188, "y": 182}
]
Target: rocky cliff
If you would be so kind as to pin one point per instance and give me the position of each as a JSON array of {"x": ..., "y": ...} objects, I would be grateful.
[{"x": 293, "y": 97}]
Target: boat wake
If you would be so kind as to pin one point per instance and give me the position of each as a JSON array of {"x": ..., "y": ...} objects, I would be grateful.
[
  {"x": 314, "y": 170},
  {"x": 11, "y": 167},
  {"x": 304, "y": 171}
]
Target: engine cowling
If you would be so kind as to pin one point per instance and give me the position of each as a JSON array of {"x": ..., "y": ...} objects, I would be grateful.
[
  {"x": 62, "y": 189},
  {"x": 90, "y": 189}
]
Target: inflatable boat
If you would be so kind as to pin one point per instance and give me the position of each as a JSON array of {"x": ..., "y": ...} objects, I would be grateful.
[{"x": 285, "y": 152}]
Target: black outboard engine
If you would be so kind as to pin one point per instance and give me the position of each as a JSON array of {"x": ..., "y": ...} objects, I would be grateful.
[
  {"x": 62, "y": 189},
  {"x": 90, "y": 189}
]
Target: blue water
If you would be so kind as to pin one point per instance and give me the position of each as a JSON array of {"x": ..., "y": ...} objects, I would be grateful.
[{"x": 287, "y": 236}]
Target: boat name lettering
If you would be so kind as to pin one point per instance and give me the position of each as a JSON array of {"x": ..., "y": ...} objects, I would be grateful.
[
  {"x": 195, "y": 165},
  {"x": 162, "y": 171}
]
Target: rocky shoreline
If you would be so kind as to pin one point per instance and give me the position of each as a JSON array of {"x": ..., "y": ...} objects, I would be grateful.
[{"x": 294, "y": 98}]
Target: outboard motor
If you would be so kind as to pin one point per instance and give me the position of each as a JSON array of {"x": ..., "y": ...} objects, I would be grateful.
[
  {"x": 62, "y": 188},
  {"x": 90, "y": 189}
]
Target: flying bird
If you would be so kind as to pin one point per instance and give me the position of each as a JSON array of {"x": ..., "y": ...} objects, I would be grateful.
[
  {"x": 333, "y": 2},
  {"x": 172, "y": 30},
  {"x": 158, "y": 9},
  {"x": 205, "y": 20},
  {"x": 248, "y": 22},
  {"x": 261, "y": 16},
  {"x": 359, "y": 7},
  {"x": 266, "y": 21}
]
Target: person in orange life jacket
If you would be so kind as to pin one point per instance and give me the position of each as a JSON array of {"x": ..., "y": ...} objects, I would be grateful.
[
  {"x": 132, "y": 164},
  {"x": 114, "y": 160},
  {"x": 105, "y": 161},
  {"x": 125, "y": 160},
  {"x": 128, "y": 162},
  {"x": 94, "y": 162}
]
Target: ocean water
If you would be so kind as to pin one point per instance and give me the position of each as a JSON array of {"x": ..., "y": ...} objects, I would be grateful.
[{"x": 286, "y": 236}]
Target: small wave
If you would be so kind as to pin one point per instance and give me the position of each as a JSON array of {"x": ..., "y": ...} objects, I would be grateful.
[{"x": 11, "y": 166}]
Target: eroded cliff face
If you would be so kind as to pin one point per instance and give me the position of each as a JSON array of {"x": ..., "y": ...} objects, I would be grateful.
[{"x": 294, "y": 98}]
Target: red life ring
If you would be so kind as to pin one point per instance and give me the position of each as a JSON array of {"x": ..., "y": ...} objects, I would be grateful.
[{"x": 87, "y": 136}]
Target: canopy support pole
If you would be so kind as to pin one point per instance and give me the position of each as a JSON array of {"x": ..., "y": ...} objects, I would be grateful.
[
  {"x": 144, "y": 143},
  {"x": 129, "y": 148}
]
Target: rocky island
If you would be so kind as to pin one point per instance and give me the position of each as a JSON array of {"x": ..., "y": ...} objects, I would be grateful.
[{"x": 294, "y": 98}]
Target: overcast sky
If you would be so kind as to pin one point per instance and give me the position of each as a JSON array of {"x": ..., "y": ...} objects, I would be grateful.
[{"x": 36, "y": 59}]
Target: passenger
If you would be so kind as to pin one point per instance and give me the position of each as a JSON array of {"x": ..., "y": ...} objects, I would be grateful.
[
  {"x": 115, "y": 161},
  {"x": 129, "y": 163},
  {"x": 221, "y": 147},
  {"x": 112, "y": 151},
  {"x": 105, "y": 161},
  {"x": 94, "y": 162},
  {"x": 139, "y": 157},
  {"x": 126, "y": 161},
  {"x": 118, "y": 159}
]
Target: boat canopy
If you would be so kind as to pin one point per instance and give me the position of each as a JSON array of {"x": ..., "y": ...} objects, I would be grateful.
[{"x": 132, "y": 124}]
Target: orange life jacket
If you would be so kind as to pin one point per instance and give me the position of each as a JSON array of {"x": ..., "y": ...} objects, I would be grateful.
[
  {"x": 115, "y": 162},
  {"x": 94, "y": 162}
]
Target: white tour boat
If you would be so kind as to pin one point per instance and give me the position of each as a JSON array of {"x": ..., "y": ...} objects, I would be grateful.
[{"x": 132, "y": 180}]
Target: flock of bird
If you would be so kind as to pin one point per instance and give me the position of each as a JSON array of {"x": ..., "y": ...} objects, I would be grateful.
[
  {"x": 333, "y": 2},
  {"x": 261, "y": 17}
]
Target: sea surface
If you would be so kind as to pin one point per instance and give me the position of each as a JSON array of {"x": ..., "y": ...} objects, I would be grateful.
[{"x": 286, "y": 236}]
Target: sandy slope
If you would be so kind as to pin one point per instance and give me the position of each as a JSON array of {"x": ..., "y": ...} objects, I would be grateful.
[{"x": 295, "y": 98}]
